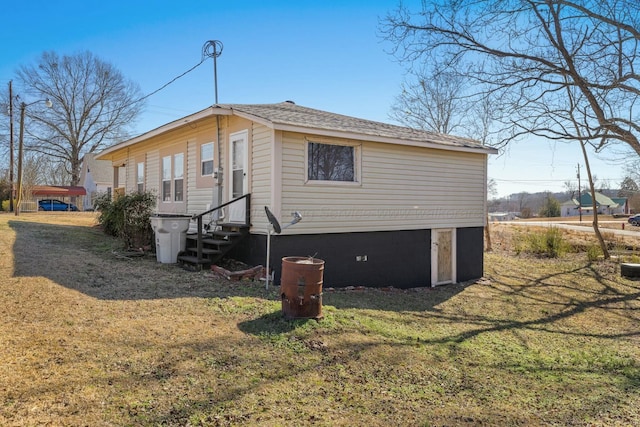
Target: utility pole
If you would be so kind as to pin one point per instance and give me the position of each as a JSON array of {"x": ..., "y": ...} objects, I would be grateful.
[
  {"x": 579, "y": 194},
  {"x": 23, "y": 107},
  {"x": 12, "y": 190}
]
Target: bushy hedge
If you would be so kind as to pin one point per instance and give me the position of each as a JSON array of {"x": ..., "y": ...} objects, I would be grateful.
[
  {"x": 5, "y": 205},
  {"x": 127, "y": 217},
  {"x": 549, "y": 243}
]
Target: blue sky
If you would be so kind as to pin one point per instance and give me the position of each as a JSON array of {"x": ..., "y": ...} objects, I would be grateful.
[{"x": 321, "y": 54}]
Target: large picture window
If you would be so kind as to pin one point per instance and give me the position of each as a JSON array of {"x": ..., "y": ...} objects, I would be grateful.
[{"x": 331, "y": 162}]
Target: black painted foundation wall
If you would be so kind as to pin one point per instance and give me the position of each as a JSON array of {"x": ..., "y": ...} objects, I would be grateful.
[{"x": 401, "y": 259}]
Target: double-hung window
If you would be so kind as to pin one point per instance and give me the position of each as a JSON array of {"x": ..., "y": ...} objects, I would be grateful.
[
  {"x": 166, "y": 179},
  {"x": 140, "y": 177},
  {"x": 206, "y": 159},
  {"x": 331, "y": 162},
  {"x": 178, "y": 177},
  {"x": 173, "y": 178}
]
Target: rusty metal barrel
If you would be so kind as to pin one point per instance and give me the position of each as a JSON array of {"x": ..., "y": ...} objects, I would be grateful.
[{"x": 301, "y": 287}]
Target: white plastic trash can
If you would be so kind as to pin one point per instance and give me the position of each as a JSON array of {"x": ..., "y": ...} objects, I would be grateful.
[{"x": 171, "y": 236}]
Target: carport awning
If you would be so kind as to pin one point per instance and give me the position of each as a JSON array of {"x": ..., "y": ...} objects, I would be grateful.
[{"x": 58, "y": 190}]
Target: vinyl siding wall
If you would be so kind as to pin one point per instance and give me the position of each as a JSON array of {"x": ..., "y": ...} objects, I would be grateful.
[
  {"x": 152, "y": 172},
  {"x": 193, "y": 135},
  {"x": 200, "y": 198},
  {"x": 261, "y": 168},
  {"x": 401, "y": 188}
]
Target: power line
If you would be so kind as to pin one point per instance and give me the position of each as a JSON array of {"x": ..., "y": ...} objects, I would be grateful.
[
  {"x": 168, "y": 83},
  {"x": 524, "y": 181},
  {"x": 142, "y": 98}
]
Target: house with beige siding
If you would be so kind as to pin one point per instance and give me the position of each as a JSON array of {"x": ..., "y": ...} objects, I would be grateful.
[{"x": 382, "y": 205}]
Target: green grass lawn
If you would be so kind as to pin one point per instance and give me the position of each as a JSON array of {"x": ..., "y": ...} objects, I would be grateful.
[{"x": 91, "y": 338}]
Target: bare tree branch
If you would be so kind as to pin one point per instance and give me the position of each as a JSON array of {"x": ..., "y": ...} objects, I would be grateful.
[
  {"x": 92, "y": 104},
  {"x": 527, "y": 54}
]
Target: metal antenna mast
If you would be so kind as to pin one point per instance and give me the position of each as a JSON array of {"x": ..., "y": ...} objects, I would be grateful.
[{"x": 213, "y": 49}]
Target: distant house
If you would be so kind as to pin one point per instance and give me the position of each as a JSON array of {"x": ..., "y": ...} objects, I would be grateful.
[
  {"x": 604, "y": 205},
  {"x": 623, "y": 206},
  {"x": 503, "y": 216},
  {"x": 96, "y": 176},
  {"x": 569, "y": 208},
  {"x": 383, "y": 205}
]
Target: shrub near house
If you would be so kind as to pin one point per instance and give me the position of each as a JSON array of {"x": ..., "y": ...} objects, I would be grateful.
[{"x": 127, "y": 217}]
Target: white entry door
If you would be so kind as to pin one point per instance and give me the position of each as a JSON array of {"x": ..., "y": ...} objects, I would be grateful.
[
  {"x": 238, "y": 185},
  {"x": 443, "y": 259}
]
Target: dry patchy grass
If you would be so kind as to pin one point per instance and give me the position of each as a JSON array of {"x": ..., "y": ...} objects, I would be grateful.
[{"x": 90, "y": 338}]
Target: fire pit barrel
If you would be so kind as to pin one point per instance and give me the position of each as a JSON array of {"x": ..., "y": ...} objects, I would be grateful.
[{"x": 301, "y": 287}]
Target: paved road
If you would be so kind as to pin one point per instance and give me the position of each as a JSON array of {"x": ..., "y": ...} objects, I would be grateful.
[{"x": 586, "y": 226}]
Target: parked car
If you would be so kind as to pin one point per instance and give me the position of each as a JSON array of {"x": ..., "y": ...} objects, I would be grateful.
[
  {"x": 634, "y": 220},
  {"x": 55, "y": 205}
]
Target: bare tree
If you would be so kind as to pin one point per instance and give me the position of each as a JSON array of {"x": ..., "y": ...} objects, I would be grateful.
[
  {"x": 628, "y": 187},
  {"x": 431, "y": 101},
  {"x": 492, "y": 188},
  {"x": 575, "y": 105},
  {"x": 571, "y": 187},
  {"x": 523, "y": 201},
  {"x": 52, "y": 171},
  {"x": 632, "y": 169},
  {"x": 630, "y": 190},
  {"x": 93, "y": 105},
  {"x": 527, "y": 53}
]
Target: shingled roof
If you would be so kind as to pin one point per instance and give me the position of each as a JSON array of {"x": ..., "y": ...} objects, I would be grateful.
[
  {"x": 293, "y": 115},
  {"x": 288, "y": 116}
]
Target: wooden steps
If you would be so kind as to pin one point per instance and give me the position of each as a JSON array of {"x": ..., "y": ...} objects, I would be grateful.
[{"x": 215, "y": 245}]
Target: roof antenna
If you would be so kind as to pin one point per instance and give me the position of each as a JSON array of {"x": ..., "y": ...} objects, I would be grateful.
[{"x": 213, "y": 49}]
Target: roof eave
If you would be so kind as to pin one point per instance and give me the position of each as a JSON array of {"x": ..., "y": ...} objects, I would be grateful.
[
  {"x": 217, "y": 110},
  {"x": 207, "y": 112},
  {"x": 382, "y": 139}
]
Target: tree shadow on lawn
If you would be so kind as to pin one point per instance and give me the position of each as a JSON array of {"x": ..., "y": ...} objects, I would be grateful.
[
  {"x": 425, "y": 304},
  {"x": 553, "y": 298},
  {"x": 411, "y": 300}
]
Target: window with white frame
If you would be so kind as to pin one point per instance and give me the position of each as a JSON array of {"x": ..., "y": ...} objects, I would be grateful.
[
  {"x": 331, "y": 162},
  {"x": 166, "y": 179},
  {"x": 140, "y": 177},
  {"x": 206, "y": 159},
  {"x": 178, "y": 177}
]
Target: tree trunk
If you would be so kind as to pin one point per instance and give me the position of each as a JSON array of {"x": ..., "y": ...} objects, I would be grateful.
[
  {"x": 603, "y": 244},
  {"x": 487, "y": 233}
]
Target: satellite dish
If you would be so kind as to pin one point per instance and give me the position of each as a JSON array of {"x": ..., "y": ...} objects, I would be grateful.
[{"x": 273, "y": 220}]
